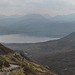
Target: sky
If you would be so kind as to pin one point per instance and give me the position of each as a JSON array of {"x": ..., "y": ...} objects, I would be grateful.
[{"x": 23, "y": 7}]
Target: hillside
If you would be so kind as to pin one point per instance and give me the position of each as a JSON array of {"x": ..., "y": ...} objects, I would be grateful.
[
  {"x": 66, "y": 43},
  {"x": 62, "y": 63},
  {"x": 12, "y": 63},
  {"x": 59, "y": 54},
  {"x": 5, "y": 50}
]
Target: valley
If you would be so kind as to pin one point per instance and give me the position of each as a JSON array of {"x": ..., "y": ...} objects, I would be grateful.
[
  {"x": 58, "y": 54},
  {"x": 37, "y": 37}
]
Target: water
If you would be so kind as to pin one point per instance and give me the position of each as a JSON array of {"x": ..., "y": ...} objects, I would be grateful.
[{"x": 17, "y": 38}]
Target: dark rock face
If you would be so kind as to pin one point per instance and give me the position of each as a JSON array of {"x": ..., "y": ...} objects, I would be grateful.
[{"x": 5, "y": 50}]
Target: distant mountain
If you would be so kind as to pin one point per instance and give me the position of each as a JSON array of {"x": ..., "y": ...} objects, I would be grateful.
[
  {"x": 58, "y": 54},
  {"x": 65, "y": 18},
  {"x": 15, "y": 16},
  {"x": 47, "y": 16},
  {"x": 3, "y": 17},
  {"x": 38, "y": 25}
]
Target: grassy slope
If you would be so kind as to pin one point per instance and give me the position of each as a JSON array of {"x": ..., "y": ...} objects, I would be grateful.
[{"x": 30, "y": 68}]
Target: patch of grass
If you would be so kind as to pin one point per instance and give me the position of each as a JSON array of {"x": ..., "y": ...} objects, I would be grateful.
[
  {"x": 31, "y": 66},
  {"x": 18, "y": 73}
]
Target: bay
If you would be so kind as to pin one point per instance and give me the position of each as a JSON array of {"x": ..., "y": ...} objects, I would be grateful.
[{"x": 18, "y": 38}]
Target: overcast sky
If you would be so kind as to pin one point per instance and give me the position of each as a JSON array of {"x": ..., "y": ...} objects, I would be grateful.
[{"x": 51, "y": 7}]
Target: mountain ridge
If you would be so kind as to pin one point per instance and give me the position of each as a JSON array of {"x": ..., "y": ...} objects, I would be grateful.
[{"x": 37, "y": 25}]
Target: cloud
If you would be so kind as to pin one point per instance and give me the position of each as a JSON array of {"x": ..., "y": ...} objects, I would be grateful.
[{"x": 52, "y": 7}]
